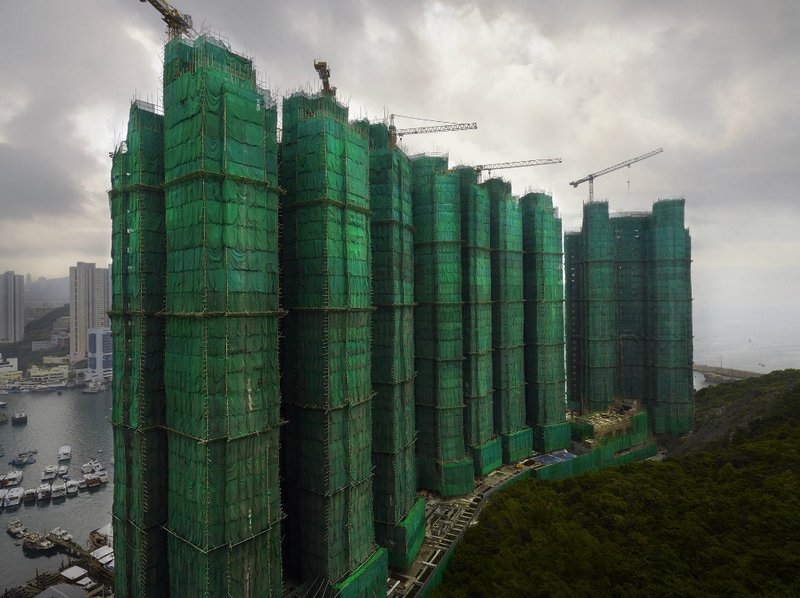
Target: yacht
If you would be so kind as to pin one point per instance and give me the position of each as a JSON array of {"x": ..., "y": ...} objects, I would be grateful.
[
  {"x": 43, "y": 491},
  {"x": 13, "y": 478},
  {"x": 103, "y": 475},
  {"x": 49, "y": 473},
  {"x": 65, "y": 453},
  {"x": 14, "y": 497},
  {"x": 72, "y": 488},
  {"x": 59, "y": 489},
  {"x": 37, "y": 544},
  {"x": 92, "y": 480},
  {"x": 29, "y": 496},
  {"x": 60, "y": 534},
  {"x": 15, "y": 528},
  {"x": 82, "y": 484},
  {"x": 62, "y": 470},
  {"x": 20, "y": 418},
  {"x": 3, "y": 404},
  {"x": 87, "y": 468}
]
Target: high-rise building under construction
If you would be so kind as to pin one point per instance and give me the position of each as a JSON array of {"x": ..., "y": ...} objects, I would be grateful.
[
  {"x": 327, "y": 381},
  {"x": 629, "y": 317}
]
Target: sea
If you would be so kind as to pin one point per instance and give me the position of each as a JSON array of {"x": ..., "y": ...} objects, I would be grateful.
[{"x": 55, "y": 419}]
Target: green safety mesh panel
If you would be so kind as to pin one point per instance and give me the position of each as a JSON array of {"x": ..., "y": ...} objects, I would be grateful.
[
  {"x": 671, "y": 387},
  {"x": 508, "y": 321},
  {"x": 399, "y": 521},
  {"x": 629, "y": 331},
  {"x": 476, "y": 292},
  {"x": 593, "y": 296},
  {"x": 254, "y": 567},
  {"x": 545, "y": 388},
  {"x": 573, "y": 319},
  {"x": 443, "y": 464},
  {"x": 137, "y": 280},
  {"x": 221, "y": 374},
  {"x": 327, "y": 353}
]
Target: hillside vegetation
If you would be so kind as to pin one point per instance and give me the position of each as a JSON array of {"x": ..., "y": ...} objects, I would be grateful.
[{"x": 721, "y": 519}]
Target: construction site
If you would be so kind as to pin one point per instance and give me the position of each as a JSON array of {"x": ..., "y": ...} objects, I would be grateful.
[{"x": 328, "y": 353}]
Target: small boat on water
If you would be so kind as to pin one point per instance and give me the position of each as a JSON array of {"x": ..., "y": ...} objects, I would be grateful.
[
  {"x": 92, "y": 480},
  {"x": 101, "y": 536},
  {"x": 87, "y": 468},
  {"x": 29, "y": 496},
  {"x": 23, "y": 458},
  {"x": 62, "y": 470},
  {"x": 72, "y": 488},
  {"x": 82, "y": 484},
  {"x": 14, "y": 497},
  {"x": 60, "y": 534},
  {"x": 43, "y": 491},
  {"x": 37, "y": 544},
  {"x": 3, "y": 404},
  {"x": 103, "y": 475},
  {"x": 15, "y": 528},
  {"x": 65, "y": 453},
  {"x": 58, "y": 489},
  {"x": 20, "y": 418},
  {"x": 13, "y": 478},
  {"x": 49, "y": 473}
]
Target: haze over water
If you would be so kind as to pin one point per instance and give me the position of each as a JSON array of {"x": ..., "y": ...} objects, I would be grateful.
[{"x": 80, "y": 420}]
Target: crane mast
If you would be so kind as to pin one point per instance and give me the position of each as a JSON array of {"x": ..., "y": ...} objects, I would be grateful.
[
  {"x": 594, "y": 175},
  {"x": 177, "y": 22}
]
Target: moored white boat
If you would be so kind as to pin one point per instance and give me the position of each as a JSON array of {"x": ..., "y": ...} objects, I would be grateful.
[
  {"x": 29, "y": 496},
  {"x": 59, "y": 489},
  {"x": 14, "y": 497},
  {"x": 13, "y": 478},
  {"x": 49, "y": 473},
  {"x": 92, "y": 480},
  {"x": 59, "y": 533},
  {"x": 62, "y": 470},
  {"x": 15, "y": 528},
  {"x": 103, "y": 475},
  {"x": 72, "y": 488},
  {"x": 43, "y": 491},
  {"x": 65, "y": 453}
]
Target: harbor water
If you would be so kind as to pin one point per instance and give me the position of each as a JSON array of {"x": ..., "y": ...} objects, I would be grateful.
[{"x": 81, "y": 421}]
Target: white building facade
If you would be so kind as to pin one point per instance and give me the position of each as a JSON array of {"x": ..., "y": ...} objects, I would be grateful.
[
  {"x": 100, "y": 354},
  {"x": 12, "y": 307},
  {"x": 89, "y": 303}
]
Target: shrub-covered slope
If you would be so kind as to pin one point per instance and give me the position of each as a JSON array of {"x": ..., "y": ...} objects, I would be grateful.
[{"x": 723, "y": 521}]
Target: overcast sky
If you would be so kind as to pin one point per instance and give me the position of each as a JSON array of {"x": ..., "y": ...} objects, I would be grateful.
[{"x": 594, "y": 83}]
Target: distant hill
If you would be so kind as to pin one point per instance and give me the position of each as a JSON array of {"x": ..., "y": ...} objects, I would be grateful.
[
  {"x": 37, "y": 330},
  {"x": 50, "y": 289},
  {"x": 720, "y": 519}
]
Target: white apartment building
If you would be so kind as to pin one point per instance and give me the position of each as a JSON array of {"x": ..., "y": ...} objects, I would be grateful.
[
  {"x": 89, "y": 303},
  {"x": 12, "y": 307},
  {"x": 100, "y": 354}
]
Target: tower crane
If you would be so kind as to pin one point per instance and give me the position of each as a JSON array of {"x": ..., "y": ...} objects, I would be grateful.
[
  {"x": 517, "y": 164},
  {"x": 443, "y": 127},
  {"x": 177, "y": 22},
  {"x": 324, "y": 73},
  {"x": 594, "y": 175}
]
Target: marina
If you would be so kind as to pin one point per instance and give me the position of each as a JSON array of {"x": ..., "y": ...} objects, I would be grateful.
[{"x": 54, "y": 421}]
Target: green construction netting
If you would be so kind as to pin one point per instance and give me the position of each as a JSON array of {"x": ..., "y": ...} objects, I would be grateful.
[
  {"x": 327, "y": 354},
  {"x": 593, "y": 296},
  {"x": 545, "y": 391},
  {"x": 405, "y": 538},
  {"x": 629, "y": 317},
  {"x": 394, "y": 427},
  {"x": 508, "y": 321},
  {"x": 443, "y": 464},
  {"x": 253, "y": 567},
  {"x": 140, "y": 560},
  {"x": 137, "y": 281},
  {"x": 476, "y": 292},
  {"x": 221, "y": 374}
]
